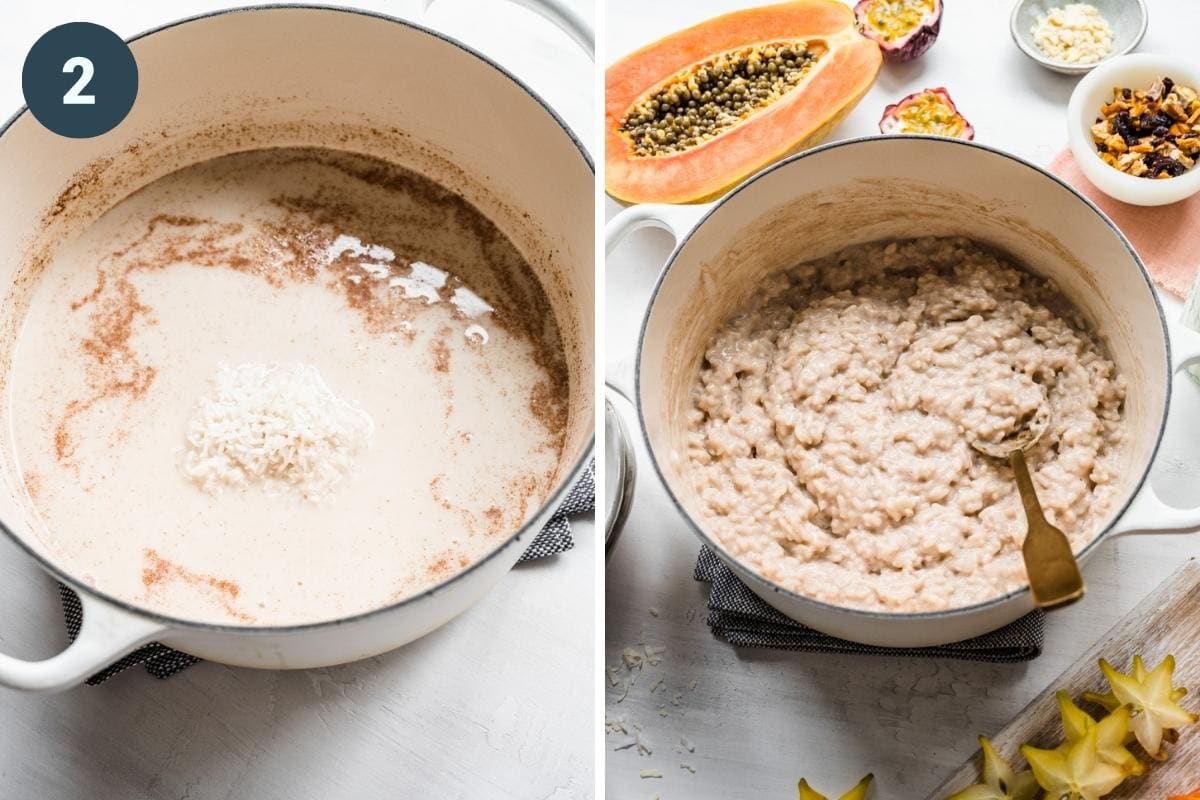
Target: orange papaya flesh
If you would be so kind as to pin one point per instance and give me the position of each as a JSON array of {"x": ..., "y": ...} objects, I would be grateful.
[{"x": 843, "y": 67}]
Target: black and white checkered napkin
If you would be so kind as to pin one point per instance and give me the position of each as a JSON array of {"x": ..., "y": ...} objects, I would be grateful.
[
  {"x": 163, "y": 662},
  {"x": 741, "y": 618},
  {"x": 555, "y": 535}
]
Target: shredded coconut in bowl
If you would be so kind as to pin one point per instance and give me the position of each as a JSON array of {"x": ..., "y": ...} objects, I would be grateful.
[
  {"x": 274, "y": 425},
  {"x": 1077, "y": 33}
]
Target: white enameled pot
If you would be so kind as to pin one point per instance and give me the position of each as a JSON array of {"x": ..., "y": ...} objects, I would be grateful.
[
  {"x": 861, "y": 190},
  {"x": 308, "y": 76}
]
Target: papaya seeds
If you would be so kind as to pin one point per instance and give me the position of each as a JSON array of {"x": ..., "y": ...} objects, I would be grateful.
[
  {"x": 699, "y": 104},
  {"x": 778, "y": 78}
]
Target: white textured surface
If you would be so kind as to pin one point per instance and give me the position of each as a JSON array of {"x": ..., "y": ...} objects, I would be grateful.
[
  {"x": 760, "y": 719},
  {"x": 497, "y": 704}
]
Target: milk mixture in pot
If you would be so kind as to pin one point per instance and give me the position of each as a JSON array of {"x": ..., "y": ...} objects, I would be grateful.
[
  {"x": 832, "y": 420},
  {"x": 285, "y": 386}
]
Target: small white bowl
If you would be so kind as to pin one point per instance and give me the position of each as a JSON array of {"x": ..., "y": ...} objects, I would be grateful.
[
  {"x": 1135, "y": 72},
  {"x": 1128, "y": 20}
]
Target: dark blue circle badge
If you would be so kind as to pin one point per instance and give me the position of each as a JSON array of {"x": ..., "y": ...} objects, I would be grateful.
[{"x": 80, "y": 80}]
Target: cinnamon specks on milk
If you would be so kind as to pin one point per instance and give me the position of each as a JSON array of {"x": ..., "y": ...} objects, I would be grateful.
[
  {"x": 288, "y": 256},
  {"x": 524, "y": 490},
  {"x": 440, "y": 353},
  {"x": 548, "y": 405},
  {"x": 493, "y": 521},
  {"x": 373, "y": 254},
  {"x": 435, "y": 489},
  {"x": 435, "y": 568},
  {"x": 33, "y": 483},
  {"x": 446, "y": 563},
  {"x": 158, "y": 572},
  {"x": 116, "y": 313}
]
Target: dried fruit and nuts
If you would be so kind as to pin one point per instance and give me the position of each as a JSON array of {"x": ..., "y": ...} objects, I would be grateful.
[
  {"x": 1143, "y": 706},
  {"x": 697, "y": 105},
  {"x": 1150, "y": 134}
]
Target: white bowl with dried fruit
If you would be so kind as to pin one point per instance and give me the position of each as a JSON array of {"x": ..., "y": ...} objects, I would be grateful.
[{"x": 1134, "y": 128}]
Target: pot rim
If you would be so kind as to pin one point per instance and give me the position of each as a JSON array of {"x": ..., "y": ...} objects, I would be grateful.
[
  {"x": 767, "y": 585},
  {"x": 552, "y": 501}
]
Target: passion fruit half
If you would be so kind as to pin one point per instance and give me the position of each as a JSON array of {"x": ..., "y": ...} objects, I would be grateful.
[
  {"x": 930, "y": 111},
  {"x": 904, "y": 29}
]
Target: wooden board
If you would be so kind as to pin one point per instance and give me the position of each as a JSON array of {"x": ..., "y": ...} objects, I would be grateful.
[{"x": 1167, "y": 622}]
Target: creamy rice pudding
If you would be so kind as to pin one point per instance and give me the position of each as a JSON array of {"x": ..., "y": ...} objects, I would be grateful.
[
  {"x": 832, "y": 419},
  {"x": 285, "y": 385}
]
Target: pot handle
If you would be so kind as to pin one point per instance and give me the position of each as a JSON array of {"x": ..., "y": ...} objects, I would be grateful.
[
  {"x": 675, "y": 220},
  {"x": 565, "y": 18},
  {"x": 1148, "y": 513},
  {"x": 568, "y": 21},
  {"x": 106, "y": 634}
]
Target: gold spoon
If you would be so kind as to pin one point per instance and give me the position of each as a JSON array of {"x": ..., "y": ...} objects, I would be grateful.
[{"x": 1054, "y": 576}]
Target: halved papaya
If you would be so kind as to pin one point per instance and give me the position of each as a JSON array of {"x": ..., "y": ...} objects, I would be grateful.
[{"x": 693, "y": 114}]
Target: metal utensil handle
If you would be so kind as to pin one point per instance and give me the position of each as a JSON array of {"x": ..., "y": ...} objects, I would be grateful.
[
  {"x": 1148, "y": 513},
  {"x": 106, "y": 634},
  {"x": 1029, "y": 498}
]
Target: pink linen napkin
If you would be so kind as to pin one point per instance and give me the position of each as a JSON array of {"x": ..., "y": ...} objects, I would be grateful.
[{"x": 1166, "y": 237}]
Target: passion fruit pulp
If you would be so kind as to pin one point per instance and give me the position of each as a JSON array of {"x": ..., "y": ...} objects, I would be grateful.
[
  {"x": 904, "y": 29},
  {"x": 930, "y": 111}
]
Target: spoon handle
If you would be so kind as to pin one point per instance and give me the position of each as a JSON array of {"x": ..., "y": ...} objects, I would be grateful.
[
  {"x": 1033, "y": 509},
  {"x": 1050, "y": 564}
]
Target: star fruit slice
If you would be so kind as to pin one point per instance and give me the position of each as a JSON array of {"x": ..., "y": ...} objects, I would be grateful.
[
  {"x": 1111, "y": 733},
  {"x": 1153, "y": 702},
  {"x": 1076, "y": 774},
  {"x": 1000, "y": 781},
  {"x": 859, "y": 792}
]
